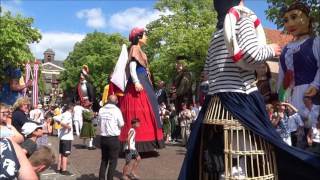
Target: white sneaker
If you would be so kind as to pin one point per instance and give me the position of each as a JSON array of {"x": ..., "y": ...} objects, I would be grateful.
[
  {"x": 221, "y": 176},
  {"x": 238, "y": 173}
]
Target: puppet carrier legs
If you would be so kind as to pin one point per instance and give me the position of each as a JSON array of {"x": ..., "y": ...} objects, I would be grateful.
[{"x": 244, "y": 155}]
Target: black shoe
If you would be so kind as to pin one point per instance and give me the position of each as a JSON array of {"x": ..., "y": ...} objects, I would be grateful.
[
  {"x": 92, "y": 148},
  {"x": 82, "y": 146},
  {"x": 66, "y": 173},
  {"x": 58, "y": 171}
]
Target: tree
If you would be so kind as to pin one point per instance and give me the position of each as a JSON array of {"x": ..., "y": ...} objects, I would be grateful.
[
  {"x": 187, "y": 32},
  {"x": 16, "y": 33},
  {"x": 100, "y": 52},
  {"x": 275, "y": 7}
]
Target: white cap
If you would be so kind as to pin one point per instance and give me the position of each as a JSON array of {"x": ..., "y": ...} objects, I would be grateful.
[{"x": 29, "y": 127}]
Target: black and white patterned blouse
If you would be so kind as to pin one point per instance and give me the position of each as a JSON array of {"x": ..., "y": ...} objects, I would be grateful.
[{"x": 9, "y": 164}]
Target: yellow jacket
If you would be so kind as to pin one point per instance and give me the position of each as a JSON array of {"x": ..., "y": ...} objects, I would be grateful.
[{"x": 105, "y": 94}]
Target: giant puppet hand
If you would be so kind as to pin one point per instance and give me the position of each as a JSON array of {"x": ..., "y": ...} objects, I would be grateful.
[
  {"x": 138, "y": 87},
  {"x": 311, "y": 91},
  {"x": 276, "y": 49}
]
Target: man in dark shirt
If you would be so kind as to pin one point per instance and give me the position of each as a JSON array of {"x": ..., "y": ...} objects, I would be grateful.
[
  {"x": 19, "y": 116},
  {"x": 181, "y": 91}
]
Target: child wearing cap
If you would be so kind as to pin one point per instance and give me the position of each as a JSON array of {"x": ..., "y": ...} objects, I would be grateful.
[{"x": 32, "y": 131}]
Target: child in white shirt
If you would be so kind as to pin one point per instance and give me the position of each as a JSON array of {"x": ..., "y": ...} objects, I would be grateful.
[
  {"x": 132, "y": 156},
  {"x": 66, "y": 138}
]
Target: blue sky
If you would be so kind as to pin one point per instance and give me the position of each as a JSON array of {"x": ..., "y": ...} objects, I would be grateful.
[{"x": 64, "y": 22}]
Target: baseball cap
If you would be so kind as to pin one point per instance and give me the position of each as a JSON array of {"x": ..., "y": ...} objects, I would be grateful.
[{"x": 29, "y": 127}]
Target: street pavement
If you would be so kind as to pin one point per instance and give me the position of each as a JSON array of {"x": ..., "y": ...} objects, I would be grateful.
[{"x": 84, "y": 164}]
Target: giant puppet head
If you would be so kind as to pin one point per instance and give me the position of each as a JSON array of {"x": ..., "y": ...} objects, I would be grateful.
[
  {"x": 137, "y": 35},
  {"x": 84, "y": 73},
  {"x": 82, "y": 88},
  {"x": 296, "y": 19},
  {"x": 180, "y": 63},
  {"x": 222, "y": 7}
]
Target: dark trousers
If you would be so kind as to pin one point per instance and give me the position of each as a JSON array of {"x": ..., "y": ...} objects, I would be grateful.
[
  {"x": 110, "y": 148},
  {"x": 294, "y": 138}
]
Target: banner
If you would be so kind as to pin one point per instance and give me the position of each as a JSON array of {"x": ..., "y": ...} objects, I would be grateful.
[
  {"x": 35, "y": 90},
  {"x": 119, "y": 77},
  {"x": 28, "y": 71}
]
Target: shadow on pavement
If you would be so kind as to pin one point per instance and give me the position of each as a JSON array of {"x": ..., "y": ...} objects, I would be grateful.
[
  {"x": 181, "y": 151},
  {"x": 79, "y": 146},
  {"x": 87, "y": 177},
  {"x": 151, "y": 154},
  {"x": 96, "y": 143}
]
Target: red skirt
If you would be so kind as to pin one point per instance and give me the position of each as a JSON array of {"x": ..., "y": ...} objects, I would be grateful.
[{"x": 137, "y": 105}]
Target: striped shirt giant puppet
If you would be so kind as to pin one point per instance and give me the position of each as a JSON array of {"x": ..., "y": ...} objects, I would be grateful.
[{"x": 232, "y": 137}]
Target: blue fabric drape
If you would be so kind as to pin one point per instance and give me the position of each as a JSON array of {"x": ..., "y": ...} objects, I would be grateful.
[{"x": 292, "y": 163}]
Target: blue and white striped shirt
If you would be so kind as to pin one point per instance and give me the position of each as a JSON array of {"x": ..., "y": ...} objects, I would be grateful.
[{"x": 223, "y": 73}]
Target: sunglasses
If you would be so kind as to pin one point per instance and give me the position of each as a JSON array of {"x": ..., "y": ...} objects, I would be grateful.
[{"x": 5, "y": 112}]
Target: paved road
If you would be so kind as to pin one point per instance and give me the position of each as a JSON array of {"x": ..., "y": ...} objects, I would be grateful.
[{"x": 84, "y": 164}]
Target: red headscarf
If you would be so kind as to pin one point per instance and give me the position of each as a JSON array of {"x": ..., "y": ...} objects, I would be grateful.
[{"x": 134, "y": 32}]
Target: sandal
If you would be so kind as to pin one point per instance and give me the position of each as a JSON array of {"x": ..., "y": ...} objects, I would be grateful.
[
  {"x": 134, "y": 176},
  {"x": 124, "y": 177}
]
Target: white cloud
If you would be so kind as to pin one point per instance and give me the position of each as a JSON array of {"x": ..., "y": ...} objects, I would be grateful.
[
  {"x": 134, "y": 17},
  {"x": 14, "y": 8},
  {"x": 94, "y": 17},
  {"x": 60, "y": 42}
]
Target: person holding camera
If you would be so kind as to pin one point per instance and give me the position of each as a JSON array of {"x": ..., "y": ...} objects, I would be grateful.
[
  {"x": 295, "y": 123},
  {"x": 288, "y": 123}
]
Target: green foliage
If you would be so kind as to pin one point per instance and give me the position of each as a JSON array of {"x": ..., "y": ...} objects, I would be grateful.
[
  {"x": 41, "y": 83},
  {"x": 16, "y": 33},
  {"x": 100, "y": 52},
  {"x": 186, "y": 32},
  {"x": 276, "y": 5}
]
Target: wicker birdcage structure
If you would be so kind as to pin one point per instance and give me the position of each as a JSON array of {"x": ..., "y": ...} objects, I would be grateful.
[{"x": 242, "y": 148}]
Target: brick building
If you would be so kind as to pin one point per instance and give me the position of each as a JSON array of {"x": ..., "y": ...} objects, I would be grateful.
[{"x": 51, "y": 70}]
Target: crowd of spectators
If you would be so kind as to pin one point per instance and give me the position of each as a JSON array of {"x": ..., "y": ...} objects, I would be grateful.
[
  {"x": 21, "y": 156},
  {"x": 297, "y": 128}
]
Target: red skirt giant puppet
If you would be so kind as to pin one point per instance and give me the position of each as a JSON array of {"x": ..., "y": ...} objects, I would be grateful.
[{"x": 139, "y": 100}]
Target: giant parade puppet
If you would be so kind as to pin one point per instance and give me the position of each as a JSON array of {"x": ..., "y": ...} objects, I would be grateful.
[
  {"x": 85, "y": 92},
  {"x": 85, "y": 95},
  {"x": 299, "y": 72},
  {"x": 132, "y": 76},
  {"x": 232, "y": 137}
]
